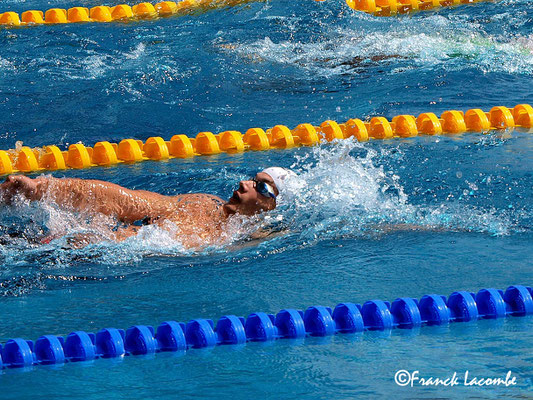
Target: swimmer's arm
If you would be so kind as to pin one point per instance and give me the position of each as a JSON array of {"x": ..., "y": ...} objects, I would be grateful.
[
  {"x": 255, "y": 240},
  {"x": 81, "y": 240},
  {"x": 105, "y": 197},
  {"x": 391, "y": 228},
  {"x": 92, "y": 196},
  {"x": 260, "y": 234},
  {"x": 268, "y": 233}
]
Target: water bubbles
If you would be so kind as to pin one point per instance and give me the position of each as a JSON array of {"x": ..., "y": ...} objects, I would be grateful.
[{"x": 472, "y": 186}]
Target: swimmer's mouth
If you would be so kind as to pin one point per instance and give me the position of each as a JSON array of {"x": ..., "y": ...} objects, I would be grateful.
[{"x": 235, "y": 197}]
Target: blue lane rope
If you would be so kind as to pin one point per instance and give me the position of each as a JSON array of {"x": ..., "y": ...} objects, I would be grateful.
[{"x": 403, "y": 313}]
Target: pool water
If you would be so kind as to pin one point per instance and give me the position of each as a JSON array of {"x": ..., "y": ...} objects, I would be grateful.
[{"x": 378, "y": 220}]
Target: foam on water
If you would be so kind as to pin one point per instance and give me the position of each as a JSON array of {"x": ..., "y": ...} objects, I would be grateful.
[
  {"x": 339, "y": 193},
  {"x": 345, "y": 50},
  {"x": 6, "y": 65}
]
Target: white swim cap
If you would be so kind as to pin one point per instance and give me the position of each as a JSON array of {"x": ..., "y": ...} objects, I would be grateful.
[{"x": 279, "y": 175}]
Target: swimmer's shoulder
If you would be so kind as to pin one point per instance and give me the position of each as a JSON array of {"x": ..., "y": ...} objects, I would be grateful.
[
  {"x": 199, "y": 203},
  {"x": 198, "y": 198}
]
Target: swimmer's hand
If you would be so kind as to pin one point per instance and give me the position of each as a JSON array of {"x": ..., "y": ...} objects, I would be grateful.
[
  {"x": 81, "y": 240},
  {"x": 125, "y": 232},
  {"x": 20, "y": 185}
]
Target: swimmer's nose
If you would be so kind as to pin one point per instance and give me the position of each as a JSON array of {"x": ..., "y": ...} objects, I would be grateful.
[{"x": 245, "y": 186}]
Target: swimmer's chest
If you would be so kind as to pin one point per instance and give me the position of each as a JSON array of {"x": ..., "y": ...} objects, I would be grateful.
[{"x": 198, "y": 209}]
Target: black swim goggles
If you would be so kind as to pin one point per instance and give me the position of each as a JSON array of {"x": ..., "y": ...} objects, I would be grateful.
[{"x": 263, "y": 188}]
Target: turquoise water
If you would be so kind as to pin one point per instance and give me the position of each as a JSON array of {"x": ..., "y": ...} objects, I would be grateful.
[{"x": 466, "y": 199}]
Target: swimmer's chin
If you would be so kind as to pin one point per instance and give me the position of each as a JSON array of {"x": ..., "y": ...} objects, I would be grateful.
[{"x": 230, "y": 208}]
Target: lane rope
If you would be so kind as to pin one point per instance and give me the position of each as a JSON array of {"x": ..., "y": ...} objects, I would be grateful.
[
  {"x": 402, "y": 313},
  {"x": 146, "y": 10},
  {"x": 24, "y": 159},
  {"x": 387, "y": 8},
  {"x": 118, "y": 13}
]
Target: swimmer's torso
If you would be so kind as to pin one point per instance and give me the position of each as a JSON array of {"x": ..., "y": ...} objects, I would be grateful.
[
  {"x": 194, "y": 219},
  {"x": 197, "y": 218}
]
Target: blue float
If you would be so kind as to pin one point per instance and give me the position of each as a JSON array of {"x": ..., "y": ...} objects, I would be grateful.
[
  {"x": 18, "y": 353},
  {"x": 290, "y": 323},
  {"x": 319, "y": 322},
  {"x": 463, "y": 307},
  {"x": 406, "y": 313},
  {"x": 433, "y": 309},
  {"x": 520, "y": 300},
  {"x": 260, "y": 327},
  {"x": 140, "y": 340},
  {"x": 110, "y": 343},
  {"x": 490, "y": 303},
  {"x": 348, "y": 318},
  {"x": 230, "y": 330},
  {"x": 49, "y": 350},
  {"x": 377, "y": 315},
  {"x": 171, "y": 336},
  {"x": 200, "y": 333},
  {"x": 80, "y": 346}
]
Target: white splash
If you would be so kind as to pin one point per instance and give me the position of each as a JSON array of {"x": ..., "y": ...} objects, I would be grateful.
[{"x": 461, "y": 45}]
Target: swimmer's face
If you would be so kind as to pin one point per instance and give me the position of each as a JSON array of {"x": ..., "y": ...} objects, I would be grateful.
[{"x": 248, "y": 201}]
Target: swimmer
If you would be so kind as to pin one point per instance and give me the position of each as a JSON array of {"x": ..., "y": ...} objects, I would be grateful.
[{"x": 195, "y": 219}]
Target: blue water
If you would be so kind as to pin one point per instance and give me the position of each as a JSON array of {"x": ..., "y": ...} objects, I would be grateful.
[{"x": 382, "y": 219}]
